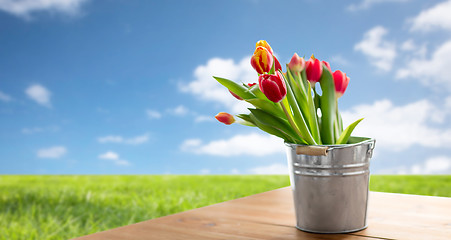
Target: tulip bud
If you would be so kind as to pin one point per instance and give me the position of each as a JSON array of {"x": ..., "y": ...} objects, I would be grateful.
[
  {"x": 314, "y": 69},
  {"x": 273, "y": 86},
  {"x": 262, "y": 60},
  {"x": 277, "y": 65},
  {"x": 263, "y": 43},
  {"x": 225, "y": 118},
  {"x": 341, "y": 82},
  {"x": 296, "y": 63},
  {"x": 327, "y": 65}
]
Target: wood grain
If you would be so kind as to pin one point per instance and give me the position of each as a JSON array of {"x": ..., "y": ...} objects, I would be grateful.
[{"x": 270, "y": 215}]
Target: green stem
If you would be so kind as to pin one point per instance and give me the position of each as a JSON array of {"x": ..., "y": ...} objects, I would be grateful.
[{"x": 290, "y": 120}]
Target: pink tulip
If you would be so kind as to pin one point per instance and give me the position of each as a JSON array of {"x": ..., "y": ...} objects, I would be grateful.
[
  {"x": 273, "y": 86},
  {"x": 262, "y": 60},
  {"x": 297, "y": 63},
  {"x": 341, "y": 82},
  {"x": 225, "y": 118},
  {"x": 314, "y": 69},
  {"x": 327, "y": 65}
]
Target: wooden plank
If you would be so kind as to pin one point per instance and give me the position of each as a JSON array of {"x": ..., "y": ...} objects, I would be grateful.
[
  {"x": 402, "y": 216},
  {"x": 270, "y": 215}
]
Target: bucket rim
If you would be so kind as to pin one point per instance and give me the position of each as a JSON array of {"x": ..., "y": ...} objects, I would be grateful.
[{"x": 334, "y": 146}]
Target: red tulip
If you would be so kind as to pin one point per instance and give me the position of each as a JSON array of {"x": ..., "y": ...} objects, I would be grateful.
[
  {"x": 263, "y": 43},
  {"x": 327, "y": 65},
  {"x": 238, "y": 97},
  {"x": 297, "y": 63},
  {"x": 225, "y": 118},
  {"x": 277, "y": 65},
  {"x": 314, "y": 69},
  {"x": 341, "y": 82},
  {"x": 273, "y": 86},
  {"x": 262, "y": 60}
]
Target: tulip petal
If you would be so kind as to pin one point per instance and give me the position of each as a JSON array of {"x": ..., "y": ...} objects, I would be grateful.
[{"x": 271, "y": 90}]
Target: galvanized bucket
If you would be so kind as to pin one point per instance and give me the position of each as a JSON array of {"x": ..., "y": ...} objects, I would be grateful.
[{"x": 330, "y": 185}]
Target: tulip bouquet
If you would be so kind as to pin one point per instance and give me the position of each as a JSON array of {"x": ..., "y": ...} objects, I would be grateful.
[{"x": 287, "y": 104}]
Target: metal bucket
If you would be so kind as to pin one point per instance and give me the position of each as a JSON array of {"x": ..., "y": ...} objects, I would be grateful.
[{"x": 330, "y": 185}]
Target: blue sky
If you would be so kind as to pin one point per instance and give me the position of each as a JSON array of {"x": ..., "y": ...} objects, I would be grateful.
[{"x": 125, "y": 87}]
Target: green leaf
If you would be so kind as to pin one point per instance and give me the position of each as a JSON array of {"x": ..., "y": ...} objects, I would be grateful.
[
  {"x": 273, "y": 131},
  {"x": 273, "y": 67},
  {"x": 327, "y": 107},
  {"x": 246, "y": 120},
  {"x": 258, "y": 93},
  {"x": 303, "y": 78},
  {"x": 301, "y": 96},
  {"x": 313, "y": 118},
  {"x": 343, "y": 139},
  {"x": 294, "y": 81},
  {"x": 267, "y": 106},
  {"x": 354, "y": 139},
  {"x": 260, "y": 116},
  {"x": 298, "y": 117},
  {"x": 236, "y": 88}
]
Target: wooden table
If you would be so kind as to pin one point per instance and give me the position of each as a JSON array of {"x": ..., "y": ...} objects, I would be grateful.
[{"x": 270, "y": 215}]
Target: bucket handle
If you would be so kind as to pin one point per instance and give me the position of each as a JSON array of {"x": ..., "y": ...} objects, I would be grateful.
[{"x": 312, "y": 150}]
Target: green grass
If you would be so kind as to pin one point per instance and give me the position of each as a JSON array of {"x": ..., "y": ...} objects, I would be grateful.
[
  {"x": 431, "y": 185},
  {"x": 63, "y": 207}
]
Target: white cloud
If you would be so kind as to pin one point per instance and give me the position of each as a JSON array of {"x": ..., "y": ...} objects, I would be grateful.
[
  {"x": 433, "y": 72},
  {"x": 110, "y": 139},
  {"x": 119, "y": 139},
  {"x": 434, "y": 18},
  {"x": 114, "y": 158},
  {"x": 234, "y": 171},
  {"x": 205, "y": 171},
  {"x": 340, "y": 60},
  {"x": 137, "y": 140},
  {"x": 52, "y": 152},
  {"x": 206, "y": 87},
  {"x": 434, "y": 165},
  {"x": 380, "y": 52},
  {"x": 39, "y": 94},
  {"x": 203, "y": 118},
  {"x": 399, "y": 127},
  {"x": 408, "y": 45},
  {"x": 366, "y": 4},
  {"x": 275, "y": 168},
  {"x": 34, "y": 130},
  {"x": 178, "y": 111},
  {"x": 152, "y": 114},
  {"x": 251, "y": 144},
  {"x": 24, "y": 8},
  {"x": 5, "y": 97},
  {"x": 109, "y": 156}
]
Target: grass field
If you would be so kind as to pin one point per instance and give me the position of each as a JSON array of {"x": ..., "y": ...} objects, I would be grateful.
[{"x": 63, "y": 207}]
